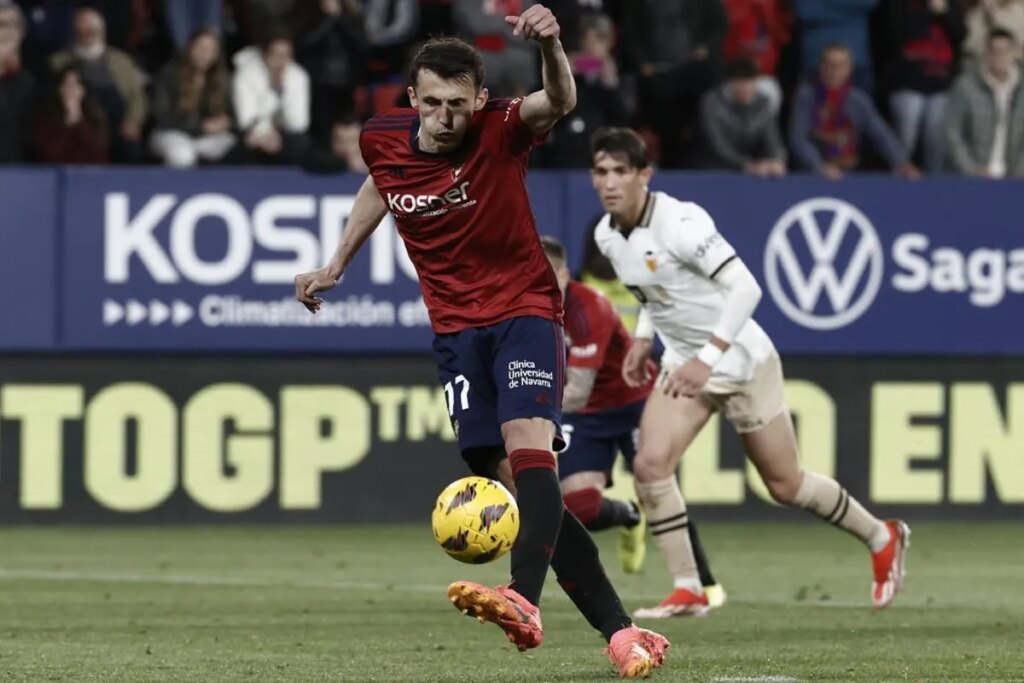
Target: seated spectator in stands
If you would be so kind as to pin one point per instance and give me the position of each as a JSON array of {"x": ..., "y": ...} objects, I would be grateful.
[
  {"x": 330, "y": 44},
  {"x": 831, "y": 119},
  {"x": 70, "y": 127},
  {"x": 271, "y": 99},
  {"x": 16, "y": 87},
  {"x": 509, "y": 61},
  {"x": 391, "y": 26},
  {"x": 112, "y": 77},
  {"x": 837, "y": 22},
  {"x": 602, "y": 98},
  {"x": 985, "y": 120},
  {"x": 676, "y": 47},
  {"x": 925, "y": 35},
  {"x": 191, "y": 106},
  {"x": 187, "y": 17},
  {"x": 342, "y": 154},
  {"x": 758, "y": 29},
  {"x": 986, "y": 16},
  {"x": 740, "y": 125}
]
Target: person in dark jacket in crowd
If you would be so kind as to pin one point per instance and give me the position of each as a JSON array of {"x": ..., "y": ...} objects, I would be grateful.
[
  {"x": 192, "y": 107},
  {"x": 831, "y": 120},
  {"x": 740, "y": 125},
  {"x": 925, "y": 35},
  {"x": 676, "y": 47},
  {"x": 16, "y": 87},
  {"x": 71, "y": 127}
]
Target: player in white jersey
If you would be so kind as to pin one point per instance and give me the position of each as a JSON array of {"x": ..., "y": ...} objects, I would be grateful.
[{"x": 698, "y": 296}]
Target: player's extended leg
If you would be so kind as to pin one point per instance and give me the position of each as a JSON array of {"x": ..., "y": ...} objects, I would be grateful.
[
  {"x": 773, "y": 450},
  {"x": 712, "y": 589},
  {"x": 667, "y": 428},
  {"x": 583, "y": 495}
]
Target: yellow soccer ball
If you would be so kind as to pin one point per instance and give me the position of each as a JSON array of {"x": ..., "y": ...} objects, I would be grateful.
[{"x": 475, "y": 520}]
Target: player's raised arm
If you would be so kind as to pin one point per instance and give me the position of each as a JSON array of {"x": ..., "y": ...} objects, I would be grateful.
[
  {"x": 367, "y": 213},
  {"x": 540, "y": 110}
]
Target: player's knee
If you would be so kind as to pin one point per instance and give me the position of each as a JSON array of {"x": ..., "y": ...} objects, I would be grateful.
[
  {"x": 784, "y": 489},
  {"x": 652, "y": 465},
  {"x": 584, "y": 503},
  {"x": 533, "y": 433}
]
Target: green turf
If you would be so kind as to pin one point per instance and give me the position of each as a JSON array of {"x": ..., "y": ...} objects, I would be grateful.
[{"x": 367, "y": 604}]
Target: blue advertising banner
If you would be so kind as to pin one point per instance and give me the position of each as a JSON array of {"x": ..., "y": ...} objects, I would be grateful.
[
  {"x": 28, "y": 234},
  {"x": 869, "y": 265},
  {"x": 162, "y": 260}
]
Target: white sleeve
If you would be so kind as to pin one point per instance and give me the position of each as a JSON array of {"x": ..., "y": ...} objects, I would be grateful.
[
  {"x": 644, "y": 325},
  {"x": 695, "y": 241},
  {"x": 742, "y": 294}
]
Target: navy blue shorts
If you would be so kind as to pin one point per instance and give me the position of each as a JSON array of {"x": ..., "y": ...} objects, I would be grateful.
[
  {"x": 594, "y": 439},
  {"x": 514, "y": 369}
]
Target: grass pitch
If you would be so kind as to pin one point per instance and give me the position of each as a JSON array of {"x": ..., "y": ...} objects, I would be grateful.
[{"x": 368, "y": 604}]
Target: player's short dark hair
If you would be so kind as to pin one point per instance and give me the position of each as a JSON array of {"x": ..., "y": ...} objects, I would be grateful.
[
  {"x": 553, "y": 248},
  {"x": 741, "y": 69},
  {"x": 449, "y": 58},
  {"x": 999, "y": 33},
  {"x": 623, "y": 142}
]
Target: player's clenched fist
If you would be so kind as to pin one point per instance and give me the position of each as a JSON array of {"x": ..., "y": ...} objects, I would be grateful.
[
  {"x": 688, "y": 380},
  {"x": 307, "y": 285},
  {"x": 536, "y": 23}
]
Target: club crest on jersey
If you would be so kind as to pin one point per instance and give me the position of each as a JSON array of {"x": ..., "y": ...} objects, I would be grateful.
[
  {"x": 456, "y": 170},
  {"x": 651, "y": 260}
]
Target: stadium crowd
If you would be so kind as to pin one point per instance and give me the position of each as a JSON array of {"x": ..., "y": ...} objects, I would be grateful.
[{"x": 756, "y": 86}]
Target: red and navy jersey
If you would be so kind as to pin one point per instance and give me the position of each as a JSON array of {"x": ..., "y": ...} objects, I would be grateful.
[
  {"x": 465, "y": 217},
  {"x": 597, "y": 339}
]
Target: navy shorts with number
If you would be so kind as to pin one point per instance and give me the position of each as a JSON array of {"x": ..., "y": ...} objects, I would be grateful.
[
  {"x": 513, "y": 369},
  {"x": 594, "y": 439}
]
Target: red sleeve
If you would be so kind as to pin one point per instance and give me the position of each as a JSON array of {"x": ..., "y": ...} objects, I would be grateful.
[
  {"x": 590, "y": 345},
  {"x": 517, "y": 136}
]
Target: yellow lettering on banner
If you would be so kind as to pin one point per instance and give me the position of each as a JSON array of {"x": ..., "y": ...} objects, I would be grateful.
[
  {"x": 106, "y": 447},
  {"x": 307, "y": 450},
  {"x": 895, "y": 442},
  {"x": 42, "y": 409},
  {"x": 981, "y": 441},
  {"x": 702, "y": 480},
  {"x": 210, "y": 446},
  {"x": 426, "y": 412},
  {"x": 389, "y": 401},
  {"x": 814, "y": 413}
]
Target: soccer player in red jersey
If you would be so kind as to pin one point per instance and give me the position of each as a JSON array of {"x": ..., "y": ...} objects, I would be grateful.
[
  {"x": 602, "y": 419},
  {"x": 451, "y": 170}
]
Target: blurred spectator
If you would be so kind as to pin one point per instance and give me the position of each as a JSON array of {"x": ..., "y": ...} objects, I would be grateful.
[
  {"x": 391, "y": 26},
  {"x": 740, "y": 125},
  {"x": 758, "y": 29},
  {"x": 342, "y": 153},
  {"x": 988, "y": 15},
  {"x": 271, "y": 97},
  {"x": 330, "y": 44},
  {"x": 831, "y": 118},
  {"x": 571, "y": 13},
  {"x": 112, "y": 77},
  {"x": 191, "y": 107},
  {"x": 985, "y": 123},
  {"x": 186, "y": 17},
  {"x": 925, "y": 35},
  {"x": 70, "y": 127},
  {"x": 16, "y": 87},
  {"x": 837, "y": 22},
  {"x": 601, "y": 97},
  {"x": 676, "y": 46},
  {"x": 509, "y": 61}
]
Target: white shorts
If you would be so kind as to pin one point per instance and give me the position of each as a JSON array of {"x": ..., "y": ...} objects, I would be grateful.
[{"x": 750, "y": 405}]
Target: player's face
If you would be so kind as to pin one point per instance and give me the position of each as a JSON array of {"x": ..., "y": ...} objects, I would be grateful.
[
  {"x": 620, "y": 186},
  {"x": 446, "y": 108},
  {"x": 561, "y": 273}
]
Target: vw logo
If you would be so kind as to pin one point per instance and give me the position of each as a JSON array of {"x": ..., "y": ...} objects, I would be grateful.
[{"x": 819, "y": 227}]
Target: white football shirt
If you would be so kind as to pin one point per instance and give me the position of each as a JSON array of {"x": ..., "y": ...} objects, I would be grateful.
[{"x": 669, "y": 261}]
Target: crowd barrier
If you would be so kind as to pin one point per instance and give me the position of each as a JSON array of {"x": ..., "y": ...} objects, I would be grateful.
[{"x": 159, "y": 260}]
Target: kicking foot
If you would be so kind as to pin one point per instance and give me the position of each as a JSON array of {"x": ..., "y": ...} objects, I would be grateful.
[
  {"x": 636, "y": 652},
  {"x": 502, "y": 606},
  {"x": 633, "y": 544},
  {"x": 679, "y": 603},
  {"x": 889, "y": 564}
]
